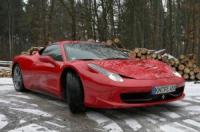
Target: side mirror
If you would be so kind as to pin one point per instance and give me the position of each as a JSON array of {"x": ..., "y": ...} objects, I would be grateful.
[{"x": 47, "y": 59}]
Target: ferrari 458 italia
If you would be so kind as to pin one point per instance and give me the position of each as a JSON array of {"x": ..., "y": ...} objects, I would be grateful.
[{"x": 95, "y": 75}]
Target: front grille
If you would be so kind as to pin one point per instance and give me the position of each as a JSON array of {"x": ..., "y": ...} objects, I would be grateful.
[{"x": 148, "y": 97}]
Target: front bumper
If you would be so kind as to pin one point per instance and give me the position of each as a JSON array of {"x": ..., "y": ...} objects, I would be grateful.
[
  {"x": 113, "y": 95},
  {"x": 108, "y": 104}
]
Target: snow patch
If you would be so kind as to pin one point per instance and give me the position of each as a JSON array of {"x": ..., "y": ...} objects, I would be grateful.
[
  {"x": 33, "y": 111},
  {"x": 133, "y": 124},
  {"x": 22, "y": 121},
  {"x": 3, "y": 121},
  {"x": 4, "y": 101},
  {"x": 19, "y": 96},
  {"x": 58, "y": 103},
  {"x": 176, "y": 127},
  {"x": 192, "y": 89},
  {"x": 6, "y": 87},
  {"x": 156, "y": 117},
  {"x": 151, "y": 120},
  {"x": 54, "y": 124},
  {"x": 6, "y": 81},
  {"x": 32, "y": 128},
  {"x": 198, "y": 98},
  {"x": 34, "y": 105},
  {"x": 192, "y": 100},
  {"x": 180, "y": 103},
  {"x": 192, "y": 122},
  {"x": 22, "y": 102},
  {"x": 171, "y": 114},
  {"x": 193, "y": 109},
  {"x": 105, "y": 122}
]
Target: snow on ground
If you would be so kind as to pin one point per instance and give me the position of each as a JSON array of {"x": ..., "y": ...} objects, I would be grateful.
[
  {"x": 19, "y": 96},
  {"x": 32, "y": 111},
  {"x": 22, "y": 121},
  {"x": 3, "y": 121},
  {"x": 32, "y": 128},
  {"x": 6, "y": 84},
  {"x": 192, "y": 89},
  {"x": 54, "y": 124},
  {"x": 192, "y": 122},
  {"x": 5, "y": 81},
  {"x": 133, "y": 124},
  {"x": 113, "y": 121},
  {"x": 4, "y": 88},
  {"x": 105, "y": 122},
  {"x": 177, "y": 127}
]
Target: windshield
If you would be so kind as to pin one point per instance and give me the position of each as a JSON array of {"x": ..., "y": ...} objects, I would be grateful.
[{"x": 93, "y": 51}]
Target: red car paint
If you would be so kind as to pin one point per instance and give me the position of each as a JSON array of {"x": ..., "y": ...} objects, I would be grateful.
[{"x": 140, "y": 76}]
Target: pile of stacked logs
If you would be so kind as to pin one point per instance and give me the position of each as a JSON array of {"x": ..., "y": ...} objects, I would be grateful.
[
  {"x": 5, "y": 73},
  {"x": 31, "y": 50},
  {"x": 186, "y": 65},
  {"x": 5, "y": 69}
]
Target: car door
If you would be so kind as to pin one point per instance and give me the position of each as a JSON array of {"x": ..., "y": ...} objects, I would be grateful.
[{"x": 49, "y": 72}]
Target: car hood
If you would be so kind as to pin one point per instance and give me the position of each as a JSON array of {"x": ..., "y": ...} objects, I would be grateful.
[{"x": 137, "y": 69}]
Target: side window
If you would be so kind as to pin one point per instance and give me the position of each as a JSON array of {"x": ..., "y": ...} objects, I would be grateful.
[{"x": 53, "y": 51}]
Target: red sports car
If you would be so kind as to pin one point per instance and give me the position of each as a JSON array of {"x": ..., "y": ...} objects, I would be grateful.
[{"x": 87, "y": 74}]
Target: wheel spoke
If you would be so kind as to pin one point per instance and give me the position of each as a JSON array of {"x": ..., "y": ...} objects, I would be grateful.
[{"x": 17, "y": 79}]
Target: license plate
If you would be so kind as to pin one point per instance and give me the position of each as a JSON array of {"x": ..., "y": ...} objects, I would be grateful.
[{"x": 163, "y": 89}]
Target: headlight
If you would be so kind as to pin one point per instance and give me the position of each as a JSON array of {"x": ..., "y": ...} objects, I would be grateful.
[
  {"x": 110, "y": 75},
  {"x": 177, "y": 74},
  {"x": 115, "y": 77}
]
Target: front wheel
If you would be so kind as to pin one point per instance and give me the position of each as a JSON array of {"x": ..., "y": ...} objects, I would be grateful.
[
  {"x": 74, "y": 93},
  {"x": 17, "y": 79}
]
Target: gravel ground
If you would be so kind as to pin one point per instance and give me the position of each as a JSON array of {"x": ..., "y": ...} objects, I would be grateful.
[{"x": 32, "y": 112}]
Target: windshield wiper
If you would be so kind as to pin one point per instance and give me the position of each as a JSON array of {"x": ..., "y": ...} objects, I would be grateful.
[
  {"x": 102, "y": 59},
  {"x": 115, "y": 59},
  {"x": 85, "y": 59}
]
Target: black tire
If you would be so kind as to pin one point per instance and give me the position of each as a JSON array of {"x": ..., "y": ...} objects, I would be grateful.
[
  {"x": 17, "y": 79},
  {"x": 74, "y": 93}
]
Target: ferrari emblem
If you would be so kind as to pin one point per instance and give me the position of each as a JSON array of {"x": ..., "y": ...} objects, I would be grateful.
[{"x": 163, "y": 97}]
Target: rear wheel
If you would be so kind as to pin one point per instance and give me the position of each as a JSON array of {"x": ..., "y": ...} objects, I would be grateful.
[
  {"x": 17, "y": 79},
  {"x": 74, "y": 93}
]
